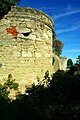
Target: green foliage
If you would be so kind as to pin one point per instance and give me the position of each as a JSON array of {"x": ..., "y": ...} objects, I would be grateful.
[
  {"x": 60, "y": 100},
  {"x": 57, "y": 47},
  {"x": 65, "y": 94},
  {"x": 5, "y": 88},
  {"x": 75, "y": 69},
  {"x": 3, "y": 92},
  {"x": 5, "y": 6},
  {"x": 10, "y": 83},
  {"x": 78, "y": 60},
  {"x": 16, "y": 1},
  {"x": 69, "y": 63}
]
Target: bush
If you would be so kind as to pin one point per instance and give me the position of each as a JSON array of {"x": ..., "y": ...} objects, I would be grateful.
[{"x": 58, "y": 101}]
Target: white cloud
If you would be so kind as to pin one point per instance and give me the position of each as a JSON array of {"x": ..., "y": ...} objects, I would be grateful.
[
  {"x": 74, "y": 50},
  {"x": 47, "y": 9},
  {"x": 66, "y": 14},
  {"x": 72, "y": 28}
]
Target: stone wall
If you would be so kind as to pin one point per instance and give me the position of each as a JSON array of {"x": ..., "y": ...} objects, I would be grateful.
[
  {"x": 63, "y": 63},
  {"x": 25, "y": 45},
  {"x": 59, "y": 62}
]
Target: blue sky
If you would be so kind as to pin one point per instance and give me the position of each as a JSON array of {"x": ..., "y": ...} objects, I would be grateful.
[{"x": 66, "y": 16}]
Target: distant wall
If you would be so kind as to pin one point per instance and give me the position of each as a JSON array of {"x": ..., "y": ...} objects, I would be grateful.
[
  {"x": 63, "y": 63},
  {"x": 59, "y": 63}
]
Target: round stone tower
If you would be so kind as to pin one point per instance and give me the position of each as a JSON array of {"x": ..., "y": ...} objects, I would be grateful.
[{"x": 25, "y": 45}]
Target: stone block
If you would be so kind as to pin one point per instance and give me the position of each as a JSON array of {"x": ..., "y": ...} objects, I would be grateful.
[
  {"x": 37, "y": 55},
  {"x": 32, "y": 37},
  {"x": 16, "y": 54},
  {"x": 26, "y": 54}
]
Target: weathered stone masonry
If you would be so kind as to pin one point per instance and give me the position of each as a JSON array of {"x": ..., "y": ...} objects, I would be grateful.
[{"x": 26, "y": 45}]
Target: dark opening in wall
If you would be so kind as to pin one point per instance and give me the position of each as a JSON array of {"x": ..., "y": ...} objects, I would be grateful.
[
  {"x": 0, "y": 65},
  {"x": 53, "y": 60},
  {"x": 27, "y": 33}
]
